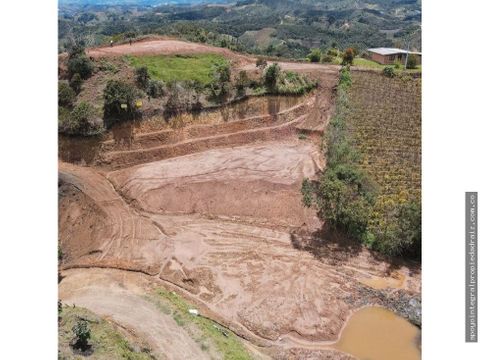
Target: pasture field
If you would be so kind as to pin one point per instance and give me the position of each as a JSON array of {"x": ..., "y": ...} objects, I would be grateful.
[{"x": 179, "y": 67}]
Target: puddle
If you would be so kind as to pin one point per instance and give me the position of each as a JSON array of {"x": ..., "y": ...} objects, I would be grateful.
[
  {"x": 83, "y": 150},
  {"x": 374, "y": 333},
  {"x": 395, "y": 281}
]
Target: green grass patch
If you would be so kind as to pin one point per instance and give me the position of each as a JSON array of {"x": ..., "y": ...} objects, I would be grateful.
[
  {"x": 179, "y": 67},
  {"x": 224, "y": 341},
  {"x": 370, "y": 64},
  {"x": 106, "y": 341}
]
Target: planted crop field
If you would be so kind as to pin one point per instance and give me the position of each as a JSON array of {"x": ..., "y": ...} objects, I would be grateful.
[
  {"x": 179, "y": 67},
  {"x": 384, "y": 125}
]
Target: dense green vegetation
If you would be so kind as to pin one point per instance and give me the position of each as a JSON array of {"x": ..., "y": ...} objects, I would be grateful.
[
  {"x": 203, "y": 330},
  {"x": 355, "y": 194},
  {"x": 287, "y": 28},
  {"x": 98, "y": 338},
  {"x": 180, "y": 67}
]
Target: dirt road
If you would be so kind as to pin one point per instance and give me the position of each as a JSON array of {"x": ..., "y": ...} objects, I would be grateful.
[{"x": 118, "y": 296}]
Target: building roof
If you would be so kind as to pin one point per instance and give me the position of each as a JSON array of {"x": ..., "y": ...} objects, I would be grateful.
[{"x": 392, "y": 51}]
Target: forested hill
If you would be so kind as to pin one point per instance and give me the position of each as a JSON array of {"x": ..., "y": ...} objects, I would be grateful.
[{"x": 286, "y": 28}]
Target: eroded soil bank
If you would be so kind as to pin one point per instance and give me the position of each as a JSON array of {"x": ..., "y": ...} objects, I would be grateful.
[{"x": 215, "y": 214}]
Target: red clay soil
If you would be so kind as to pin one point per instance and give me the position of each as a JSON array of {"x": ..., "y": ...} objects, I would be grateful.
[{"x": 220, "y": 225}]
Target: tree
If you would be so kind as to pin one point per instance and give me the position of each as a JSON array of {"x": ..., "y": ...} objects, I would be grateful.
[
  {"x": 119, "y": 100},
  {"x": 241, "y": 82},
  {"x": 348, "y": 57},
  {"x": 220, "y": 85},
  {"x": 76, "y": 83},
  {"x": 271, "y": 77},
  {"x": 142, "y": 77},
  {"x": 81, "y": 331},
  {"x": 315, "y": 55},
  {"x": 412, "y": 62},
  {"x": 66, "y": 95},
  {"x": 81, "y": 65}
]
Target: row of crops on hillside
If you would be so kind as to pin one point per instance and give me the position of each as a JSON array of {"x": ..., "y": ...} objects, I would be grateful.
[{"x": 371, "y": 188}]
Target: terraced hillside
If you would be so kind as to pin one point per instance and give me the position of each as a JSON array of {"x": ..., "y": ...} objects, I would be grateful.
[{"x": 205, "y": 212}]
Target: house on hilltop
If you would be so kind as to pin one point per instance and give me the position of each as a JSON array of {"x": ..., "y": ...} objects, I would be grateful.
[{"x": 387, "y": 56}]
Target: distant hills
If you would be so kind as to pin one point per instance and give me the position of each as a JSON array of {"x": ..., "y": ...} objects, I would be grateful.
[{"x": 284, "y": 28}]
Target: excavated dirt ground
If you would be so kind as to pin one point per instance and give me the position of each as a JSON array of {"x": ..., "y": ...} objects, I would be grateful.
[{"x": 218, "y": 218}]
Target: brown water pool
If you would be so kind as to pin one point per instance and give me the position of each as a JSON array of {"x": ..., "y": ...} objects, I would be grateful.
[{"x": 374, "y": 333}]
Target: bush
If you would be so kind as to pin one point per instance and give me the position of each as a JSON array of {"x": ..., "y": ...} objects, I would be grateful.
[
  {"x": 332, "y": 52},
  {"x": 66, "y": 95},
  {"x": 220, "y": 86},
  {"x": 80, "y": 65},
  {"x": 242, "y": 82},
  {"x": 345, "y": 78},
  {"x": 271, "y": 77},
  {"x": 155, "y": 88},
  {"x": 402, "y": 233},
  {"x": 261, "y": 63},
  {"x": 389, "y": 71},
  {"x": 142, "y": 77},
  {"x": 412, "y": 62},
  {"x": 327, "y": 59},
  {"x": 116, "y": 94},
  {"x": 76, "y": 83},
  {"x": 345, "y": 200},
  {"x": 315, "y": 55},
  {"x": 307, "y": 192},
  {"x": 81, "y": 331},
  {"x": 348, "y": 56},
  {"x": 80, "y": 121}
]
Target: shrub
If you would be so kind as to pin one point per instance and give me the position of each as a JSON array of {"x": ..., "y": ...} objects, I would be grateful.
[
  {"x": 81, "y": 331},
  {"x": 345, "y": 200},
  {"x": 271, "y": 77},
  {"x": 389, "y": 71},
  {"x": 220, "y": 86},
  {"x": 348, "y": 57},
  {"x": 81, "y": 121},
  {"x": 315, "y": 55},
  {"x": 76, "y": 83},
  {"x": 401, "y": 234},
  {"x": 155, "y": 88},
  {"x": 307, "y": 192},
  {"x": 345, "y": 78},
  {"x": 412, "y": 62},
  {"x": 261, "y": 63},
  {"x": 327, "y": 59},
  {"x": 142, "y": 77},
  {"x": 116, "y": 94},
  {"x": 66, "y": 95},
  {"x": 80, "y": 65},
  {"x": 332, "y": 52},
  {"x": 242, "y": 82}
]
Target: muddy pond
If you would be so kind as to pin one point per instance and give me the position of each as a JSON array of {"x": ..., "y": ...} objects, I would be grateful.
[
  {"x": 83, "y": 150},
  {"x": 374, "y": 333}
]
